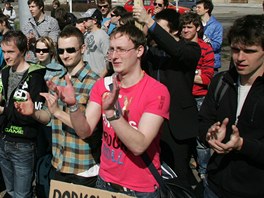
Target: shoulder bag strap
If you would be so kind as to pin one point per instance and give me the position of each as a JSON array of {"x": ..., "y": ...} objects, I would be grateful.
[
  {"x": 33, "y": 26},
  {"x": 153, "y": 170}
]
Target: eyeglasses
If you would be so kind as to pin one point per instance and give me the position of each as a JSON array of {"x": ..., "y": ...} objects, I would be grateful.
[
  {"x": 69, "y": 50},
  {"x": 44, "y": 50},
  {"x": 119, "y": 51},
  {"x": 103, "y": 6},
  {"x": 112, "y": 15},
  {"x": 159, "y": 4}
]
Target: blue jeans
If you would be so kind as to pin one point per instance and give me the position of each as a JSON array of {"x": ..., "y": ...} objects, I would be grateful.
[
  {"x": 208, "y": 193},
  {"x": 203, "y": 156},
  {"x": 17, "y": 161},
  {"x": 101, "y": 184},
  {"x": 203, "y": 152}
]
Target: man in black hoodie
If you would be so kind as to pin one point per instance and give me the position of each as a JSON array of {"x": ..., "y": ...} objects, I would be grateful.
[
  {"x": 231, "y": 117},
  {"x": 18, "y": 132}
]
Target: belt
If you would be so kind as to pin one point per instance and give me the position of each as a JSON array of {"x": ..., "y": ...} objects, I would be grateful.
[{"x": 118, "y": 187}]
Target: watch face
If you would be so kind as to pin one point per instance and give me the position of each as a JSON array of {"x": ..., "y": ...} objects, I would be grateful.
[{"x": 117, "y": 114}]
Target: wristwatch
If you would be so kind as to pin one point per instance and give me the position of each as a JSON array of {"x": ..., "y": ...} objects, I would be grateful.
[
  {"x": 116, "y": 116},
  {"x": 73, "y": 108}
]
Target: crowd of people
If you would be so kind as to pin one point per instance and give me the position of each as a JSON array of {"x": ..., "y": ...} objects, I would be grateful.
[{"x": 99, "y": 90}]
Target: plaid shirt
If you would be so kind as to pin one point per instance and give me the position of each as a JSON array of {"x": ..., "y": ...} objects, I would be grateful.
[{"x": 71, "y": 154}]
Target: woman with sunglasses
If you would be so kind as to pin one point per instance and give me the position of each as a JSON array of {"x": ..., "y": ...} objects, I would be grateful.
[{"x": 46, "y": 53}]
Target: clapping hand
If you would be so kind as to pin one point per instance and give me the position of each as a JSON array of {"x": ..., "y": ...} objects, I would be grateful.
[
  {"x": 217, "y": 133},
  {"x": 25, "y": 107},
  {"x": 109, "y": 99},
  {"x": 65, "y": 93}
]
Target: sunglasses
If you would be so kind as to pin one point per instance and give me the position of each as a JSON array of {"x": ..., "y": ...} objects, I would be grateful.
[
  {"x": 113, "y": 15},
  {"x": 69, "y": 50},
  {"x": 159, "y": 4},
  {"x": 44, "y": 50},
  {"x": 102, "y": 6}
]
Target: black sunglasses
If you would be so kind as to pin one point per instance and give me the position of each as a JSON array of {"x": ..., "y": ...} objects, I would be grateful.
[
  {"x": 102, "y": 6},
  {"x": 44, "y": 50},
  {"x": 69, "y": 50},
  {"x": 159, "y": 4}
]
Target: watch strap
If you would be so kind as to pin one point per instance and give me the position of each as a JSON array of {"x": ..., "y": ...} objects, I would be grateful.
[{"x": 73, "y": 108}]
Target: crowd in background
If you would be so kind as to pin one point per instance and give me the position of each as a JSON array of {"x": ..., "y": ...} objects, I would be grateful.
[{"x": 96, "y": 91}]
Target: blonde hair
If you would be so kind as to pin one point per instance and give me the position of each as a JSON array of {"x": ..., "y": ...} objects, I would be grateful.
[{"x": 50, "y": 45}]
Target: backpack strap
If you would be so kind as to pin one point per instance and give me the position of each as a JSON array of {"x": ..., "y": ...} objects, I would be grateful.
[{"x": 220, "y": 90}]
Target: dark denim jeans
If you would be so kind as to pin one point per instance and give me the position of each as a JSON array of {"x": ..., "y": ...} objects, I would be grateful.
[
  {"x": 208, "y": 193},
  {"x": 101, "y": 184},
  {"x": 17, "y": 161}
]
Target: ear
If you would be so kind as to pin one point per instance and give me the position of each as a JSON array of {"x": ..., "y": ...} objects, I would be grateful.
[
  {"x": 198, "y": 28},
  {"x": 83, "y": 47},
  {"x": 140, "y": 51}
]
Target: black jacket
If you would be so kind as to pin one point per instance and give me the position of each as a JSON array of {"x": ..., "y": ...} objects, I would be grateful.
[
  {"x": 176, "y": 70},
  {"x": 238, "y": 173},
  {"x": 16, "y": 127}
]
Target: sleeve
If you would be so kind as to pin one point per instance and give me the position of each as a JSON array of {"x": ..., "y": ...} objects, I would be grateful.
[
  {"x": 105, "y": 43},
  {"x": 216, "y": 38},
  {"x": 26, "y": 28},
  {"x": 54, "y": 29},
  {"x": 97, "y": 91},
  {"x": 253, "y": 149},
  {"x": 207, "y": 66},
  {"x": 158, "y": 101},
  {"x": 179, "y": 49}
]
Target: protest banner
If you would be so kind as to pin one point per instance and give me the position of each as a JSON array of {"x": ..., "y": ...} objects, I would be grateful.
[{"x": 60, "y": 189}]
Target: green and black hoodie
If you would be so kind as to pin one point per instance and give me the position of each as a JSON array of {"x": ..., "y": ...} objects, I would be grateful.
[{"x": 14, "y": 126}]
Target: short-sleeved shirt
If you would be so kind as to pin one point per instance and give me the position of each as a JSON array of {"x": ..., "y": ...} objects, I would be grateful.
[
  {"x": 97, "y": 44},
  {"x": 71, "y": 154},
  {"x": 118, "y": 165}
]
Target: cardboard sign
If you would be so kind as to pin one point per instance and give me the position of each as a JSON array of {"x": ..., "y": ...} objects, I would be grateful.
[
  {"x": 140, "y": 3},
  {"x": 66, "y": 190}
]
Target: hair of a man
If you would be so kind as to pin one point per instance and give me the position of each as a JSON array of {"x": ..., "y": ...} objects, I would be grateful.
[
  {"x": 127, "y": 19},
  {"x": 134, "y": 34},
  {"x": 19, "y": 39},
  {"x": 49, "y": 44},
  {"x": 247, "y": 30},
  {"x": 208, "y": 4},
  {"x": 109, "y": 2},
  {"x": 172, "y": 17},
  {"x": 4, "y": 19},
  {"x": 39, "y": 3},
  {"x": 119, "y": 11},
  {"x": 192, "y": 17},
  {"x": 166, "y": 3},
  {"x": 71, "y": 31}
]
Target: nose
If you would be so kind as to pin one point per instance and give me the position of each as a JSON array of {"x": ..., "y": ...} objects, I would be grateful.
[{"x": 240, "y": 55}]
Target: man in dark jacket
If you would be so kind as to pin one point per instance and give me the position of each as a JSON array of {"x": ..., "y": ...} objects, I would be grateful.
[
  {"x": 173, "y": 62},
  {"x": 18, "y": 132},
  {"x": 233, "y": 123}
]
